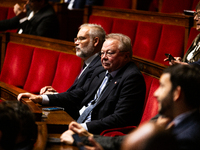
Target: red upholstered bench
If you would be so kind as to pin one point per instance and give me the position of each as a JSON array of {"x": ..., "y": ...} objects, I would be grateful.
[
  {"x": 149, "y": 40},
  {"x": 32, "y": 68}
]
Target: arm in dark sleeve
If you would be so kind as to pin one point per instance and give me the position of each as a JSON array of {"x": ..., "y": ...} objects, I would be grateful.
[{"x": 8, "y": 24}]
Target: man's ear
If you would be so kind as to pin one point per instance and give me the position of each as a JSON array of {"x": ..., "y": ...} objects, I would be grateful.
[
  {"x": 96, "y": 41},
  {"x": 177, "y": 93}
]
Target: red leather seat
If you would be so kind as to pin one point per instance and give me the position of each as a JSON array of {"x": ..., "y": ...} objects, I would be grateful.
[
  {"x": 68, "y": 68},
  {"x": 42, "y": 70},
  {"x": 105, "y": 22},
  {"x": 16, "y": 64},
  {"x": 171, "y": 41},
  {"x": 147, "y": 40}
]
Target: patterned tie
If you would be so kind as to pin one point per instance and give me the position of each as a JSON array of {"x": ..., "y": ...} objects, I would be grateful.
[{"x": 84, "y": 116}]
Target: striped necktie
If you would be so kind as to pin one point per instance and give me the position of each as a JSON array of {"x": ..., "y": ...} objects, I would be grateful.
[{"x": 86, "y": 115}]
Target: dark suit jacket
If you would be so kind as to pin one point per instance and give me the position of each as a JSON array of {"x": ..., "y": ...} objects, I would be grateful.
[
  {"x": 87, "y": 74},
  {"x": 124, "y": 97},
  {"x": 43, "y": 23},
  {"x": 187, "y": 132},
  {"x": 81, "y": 3}
]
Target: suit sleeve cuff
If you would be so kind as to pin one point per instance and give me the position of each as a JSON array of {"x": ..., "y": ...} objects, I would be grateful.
[{"x": 45, "y": 99}]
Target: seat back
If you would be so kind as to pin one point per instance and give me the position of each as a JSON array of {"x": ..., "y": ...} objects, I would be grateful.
[
  {"x": 105, "y": 22},
  {"x": 147, "y": 40},
  {"x": 42, "y": 69},
  {"x": 151, "y": 108},
  {"x": 127, "y": 27},
  {"x": 16, "y": 64},
  {"x": 66, "y": 72},
  {"x": 171, "y": 41}
]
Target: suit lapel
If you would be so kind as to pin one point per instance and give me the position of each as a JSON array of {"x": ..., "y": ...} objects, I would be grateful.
[
  {"x": 91, "y": 65},
  {"x": 115, "y": 81}
]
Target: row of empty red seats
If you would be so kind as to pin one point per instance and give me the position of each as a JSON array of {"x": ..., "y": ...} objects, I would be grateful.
[
  {"x": 32, "y": 68},
  {"x": 149, "y": 40}
]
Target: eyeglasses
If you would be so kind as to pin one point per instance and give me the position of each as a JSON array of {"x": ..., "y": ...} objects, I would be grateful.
[
  {"x": 108, "y": 53},
  {"x": 79, "y": 39},
  {"x": 198, "y": 14}
]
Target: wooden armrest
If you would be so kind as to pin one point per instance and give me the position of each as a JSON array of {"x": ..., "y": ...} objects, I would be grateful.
[{"x": 10, "y": 92}]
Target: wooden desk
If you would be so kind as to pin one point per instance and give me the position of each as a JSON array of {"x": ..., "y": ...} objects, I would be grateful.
[{"x": 57, "y": 121}]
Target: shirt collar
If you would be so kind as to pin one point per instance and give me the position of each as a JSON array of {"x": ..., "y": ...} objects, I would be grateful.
[
  {"x": 89, "y": 60},
  {"x": 182, "y": 116}
]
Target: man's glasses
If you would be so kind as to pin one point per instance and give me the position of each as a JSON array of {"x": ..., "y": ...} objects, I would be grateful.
[
  {"x": 108, "y": 53},
  {"x": 198, "y": 14},
  {"x": 79, "y": 39}
]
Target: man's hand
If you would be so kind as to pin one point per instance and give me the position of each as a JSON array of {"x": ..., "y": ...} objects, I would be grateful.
[
  {"x": 77, "y": 128},
  {"x": 96, "y": 146},
  {"x": 67, "y": 138},
  {"x": 47, "y": 90},
  {"x": 20, "y": 12},
  {"x": 33, "y": 97},
  {"x": 164, "y": 123}
]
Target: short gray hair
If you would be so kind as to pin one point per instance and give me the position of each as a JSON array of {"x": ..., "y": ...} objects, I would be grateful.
[
  {"x": 125, "y": 42},
  {"x": 96, "y": 31}
]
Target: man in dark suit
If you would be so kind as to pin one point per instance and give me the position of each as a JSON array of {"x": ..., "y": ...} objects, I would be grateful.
[
  {"x": 178, "y": 97},
  {"x": 88, "y": 43},
  {"x": 37, "y": 17},
  {"x": 121, "y": 98}
]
